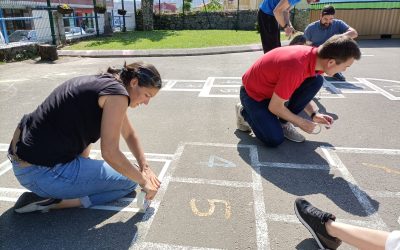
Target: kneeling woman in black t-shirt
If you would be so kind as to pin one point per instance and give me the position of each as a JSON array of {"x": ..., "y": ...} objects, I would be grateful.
[{"x": 50, "y": 147}]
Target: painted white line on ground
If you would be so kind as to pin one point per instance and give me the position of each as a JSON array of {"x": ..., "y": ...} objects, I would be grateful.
[
  {"x": 293, "y": 219},
  {"x": 207, "y": 87},
  {"x": 383, "y": 80},
  {"x": 295, "y": 166},
  {"x": 223, "y": 96},
  {"x": 184, "y": 90},
  {"x": 236, "y": 184},
  {"x": 16, "y": 190},
  {"x": 383, "y": 194},
  {"x": 380, "y": 90},
  {"x": 14, "y": 80},
  {"x": 149, "y": 216},
  {"x": 5, "y": 166},
  {"x": 115, "y": 208},
  {"x": 4, "y": 147},
  {"x": 164, "y": 170},
  {"x": 365, "y": 150},
  {"x": 3, "y": 198},
  {"x": 168, "y": 85},
  {"x": 360, "y": 92},
  {"x": 210, "y": 144},
  {"x": 358, "y": 193},
  {"x": 227, "y": 86},
  {"x": 151, "y": 245},
  {"x": 259, "y": 205}
]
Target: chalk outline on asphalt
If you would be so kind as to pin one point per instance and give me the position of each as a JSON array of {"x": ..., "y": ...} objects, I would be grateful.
[{"x": 259, "y": 206}]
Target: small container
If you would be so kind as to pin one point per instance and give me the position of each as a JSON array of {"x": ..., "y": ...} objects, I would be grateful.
[{"x": 142, "y": 202}]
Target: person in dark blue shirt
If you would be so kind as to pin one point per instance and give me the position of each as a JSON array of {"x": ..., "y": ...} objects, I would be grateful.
[{"x": 318, "y": 32}]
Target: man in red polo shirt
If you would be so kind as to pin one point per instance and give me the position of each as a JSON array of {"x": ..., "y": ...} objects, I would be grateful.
[{"x": 283, "y": 82}]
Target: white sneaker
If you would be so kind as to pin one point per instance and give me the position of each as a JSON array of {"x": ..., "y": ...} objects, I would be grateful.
[
  {"x": 242, "y": 125},
  {"x": 290, "y": 133}
]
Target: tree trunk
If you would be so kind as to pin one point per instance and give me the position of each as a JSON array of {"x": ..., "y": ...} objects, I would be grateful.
[
  {"x": 48, "y": 52},
  {"x": 147, "y": 11}
]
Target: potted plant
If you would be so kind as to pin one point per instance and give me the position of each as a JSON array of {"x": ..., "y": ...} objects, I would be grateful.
[
  {"x": 99, "y": 8},
  {"x": 121, "y": 12},
  {"x": 64, "y": 9}
]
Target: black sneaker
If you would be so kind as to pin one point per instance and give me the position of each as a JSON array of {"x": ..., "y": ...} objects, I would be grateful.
[
  {"x": 314, "y": 220},
  {"x": 31, "y": 202},
  {"x": 339, "y": 76}
]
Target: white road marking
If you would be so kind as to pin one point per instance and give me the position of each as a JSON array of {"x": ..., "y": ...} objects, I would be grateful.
[
  {"x": 293, "y": 219},
  {"x": 224, "y": 183},
  {"x": 5, "y": 166},
  {"x": 358, "y": 193},
  {"x": 162, "y": 246}
]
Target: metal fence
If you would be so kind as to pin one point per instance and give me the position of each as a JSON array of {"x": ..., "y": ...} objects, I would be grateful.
[{"x": 29, "y": 22}]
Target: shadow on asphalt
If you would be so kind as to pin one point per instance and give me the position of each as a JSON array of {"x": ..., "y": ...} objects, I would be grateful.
[
  {"x": 309, "y": 243},
  {"x": 303, "y": 182},
  {"x": 67, "y": 229}
]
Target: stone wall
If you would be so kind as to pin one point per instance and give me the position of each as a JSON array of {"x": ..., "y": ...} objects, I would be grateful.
[
  {"x": 218, "y": 20},
  {"x": 242, "y": 20}
]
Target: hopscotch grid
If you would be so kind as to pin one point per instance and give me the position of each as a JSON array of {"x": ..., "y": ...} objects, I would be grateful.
[
  {"x": 262, "y": 230},
  {"x": 377, "y": 88}
]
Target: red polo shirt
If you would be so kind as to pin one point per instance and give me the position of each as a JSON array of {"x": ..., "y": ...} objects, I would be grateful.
[{"x": 280, "y": 71}]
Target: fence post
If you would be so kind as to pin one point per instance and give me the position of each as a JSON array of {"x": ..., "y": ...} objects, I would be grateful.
[
  {"x": 3, "y": 27},
  {"x": 53, "y": 33},
  {"x": 95, "y": 18}
]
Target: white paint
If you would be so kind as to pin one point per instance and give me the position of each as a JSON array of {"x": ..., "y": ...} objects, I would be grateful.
[
  {"x": 259, "y": 205},
  {"x": 216, "y": 161},
  {"x": 14, "y": 80},
  {"x": 162, "y": 246},
  {"x": 5, "y": 166},
  {"x": 16, "y": 190},
  {"x": 4, "y": 147},
  {"x": 207, "y": 87},
  {"x": 164, "y": 170},
  {"x": 3, "y": 198},
  {"x": 293, "y": 219},
  {"x": 223, "y": 183},
  {"x": 383, "y": 194},
  {"x": 361, "y": 197},
  {"x": 380, "y": 90},
  {"x": 115, "y": 208},
  {"x": 365, "y": 150},
  {"x": 147, "y": 217}
]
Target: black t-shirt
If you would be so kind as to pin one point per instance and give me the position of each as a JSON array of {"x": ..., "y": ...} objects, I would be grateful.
[{"x": 67, "y": 121}]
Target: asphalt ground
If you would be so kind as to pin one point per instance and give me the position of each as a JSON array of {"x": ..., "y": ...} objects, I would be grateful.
[{"x": 221, "y": 188}]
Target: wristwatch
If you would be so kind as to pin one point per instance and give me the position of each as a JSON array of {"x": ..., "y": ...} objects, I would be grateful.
[{"x": 314, "y": 114}]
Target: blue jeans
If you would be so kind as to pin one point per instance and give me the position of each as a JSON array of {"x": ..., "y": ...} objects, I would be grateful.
[
  {"x": 94, "y": 182},
  {"x": 265, "y": 125}
]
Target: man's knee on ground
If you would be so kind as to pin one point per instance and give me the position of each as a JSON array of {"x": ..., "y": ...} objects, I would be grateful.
[{"x": 273, "y": 141}]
